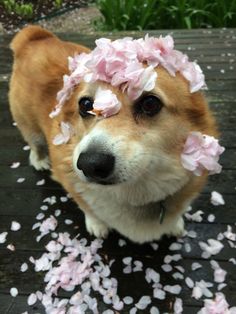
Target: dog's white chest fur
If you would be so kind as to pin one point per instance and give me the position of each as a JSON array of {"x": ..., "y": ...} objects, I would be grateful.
[{"x": 112, "y": 210}]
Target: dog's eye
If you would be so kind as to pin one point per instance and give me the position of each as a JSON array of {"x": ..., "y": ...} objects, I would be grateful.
[
  {"x": 85, "y": 105},
  {"x": 148, "y": 105}
]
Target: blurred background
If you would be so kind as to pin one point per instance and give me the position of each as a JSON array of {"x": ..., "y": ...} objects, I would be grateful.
[{"x": 116, "y": 15}]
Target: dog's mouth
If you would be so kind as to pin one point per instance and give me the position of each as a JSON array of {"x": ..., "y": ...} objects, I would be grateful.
[{"x": 102, "y": 182}]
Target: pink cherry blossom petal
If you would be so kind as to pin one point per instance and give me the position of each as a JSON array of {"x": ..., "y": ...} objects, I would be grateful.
[
  {"x": 32, "y": 299},
  {"x": 175, "y": 289},
  {"x": 178, "y": 306},
  {"x": 11, "y": 247},
  {"x": 211, "y": 218},
  {"x": 217, "y": 199},
  {"x": 20, "y": 180},
  {"x": 128, "y": 300},
  {"x": 159, "y": 294},
  {"x": 67, "y": 132},
  {"x": 14, "y": 292},
  {"x": 64, "y": 199},
  {"x": 167, "y": 268},
  {"x": 154, "y": 310},
  {"x": 121, "y": 63},
  {"x": 189, "y": 282},
  {"x": 155, "y": 246},
  {"x": 178, "y": 275},
  {"x": 229, "y": 234},
  {"x": 40, "y": 182},
  {"x": 122, "y": 242},
  {"x": 127, "y": 260},
  {"x": 219, "y": 273},
  {"x": 106, "y": 103},
  {"x": 152, "y": 276},
  {"x": 195, "y": 266},
  {"x": 201, "y": 152},
  {"x": 26, "y": 147},
  {"x": 15, "y": 226},
  {"x": 24, "y": 267},
  {"x": 197, "y": 216},
  {"x": 40, "y": 216},
  {"x": 143, "y": 302},
  {"x": 15, "y": 165},
  {"x": 221, "y": 286},
  {"x": 3, "y": 237}
]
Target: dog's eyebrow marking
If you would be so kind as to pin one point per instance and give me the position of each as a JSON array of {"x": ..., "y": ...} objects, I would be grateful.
[{"x": 121, "y": 64}]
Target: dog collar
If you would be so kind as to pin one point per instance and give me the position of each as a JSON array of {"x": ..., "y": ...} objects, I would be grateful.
[{"x": 162, "y": 212}]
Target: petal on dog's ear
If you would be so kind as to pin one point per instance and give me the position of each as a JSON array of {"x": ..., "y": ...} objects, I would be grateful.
[{"x": 201, "y": 152}]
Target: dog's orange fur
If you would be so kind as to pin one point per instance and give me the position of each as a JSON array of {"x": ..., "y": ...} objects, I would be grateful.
[{"x": 40, "y": 61}]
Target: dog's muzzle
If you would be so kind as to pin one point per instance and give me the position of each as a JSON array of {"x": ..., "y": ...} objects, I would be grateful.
[{"x": 97, "y": 167}]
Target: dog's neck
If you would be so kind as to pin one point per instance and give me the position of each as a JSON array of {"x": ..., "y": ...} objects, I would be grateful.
[{"x": 154, "y": 210}]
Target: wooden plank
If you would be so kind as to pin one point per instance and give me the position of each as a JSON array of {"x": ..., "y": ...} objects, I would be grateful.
[
  {"x": 30, "y": 281},
  {"x": 23, "y": 238},
  {"x": 28, "y": 204},
  {"x": 5, "y": 303},
  {"x": 183, "y": 34},
  {"x": 19, "y": 305}
]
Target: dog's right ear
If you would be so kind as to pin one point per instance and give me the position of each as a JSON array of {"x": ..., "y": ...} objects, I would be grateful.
[{"x": 27, "y": 34}]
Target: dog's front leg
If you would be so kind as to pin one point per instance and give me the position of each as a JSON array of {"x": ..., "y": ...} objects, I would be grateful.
[{"x": 95, "y": 226}]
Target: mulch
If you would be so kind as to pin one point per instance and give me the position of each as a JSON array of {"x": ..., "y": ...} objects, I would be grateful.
[{"x": 11, "y": 21}]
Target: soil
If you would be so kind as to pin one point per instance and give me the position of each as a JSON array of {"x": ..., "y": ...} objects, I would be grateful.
[{"x": 78, "y": 16}]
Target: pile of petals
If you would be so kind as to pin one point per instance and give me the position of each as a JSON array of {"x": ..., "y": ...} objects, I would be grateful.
[
  {"x": 71, "y": 263},
  {"x": 201, "y": 152},
  {"x": 217, "y": 306},
  {"x": 129, "y": 65}
]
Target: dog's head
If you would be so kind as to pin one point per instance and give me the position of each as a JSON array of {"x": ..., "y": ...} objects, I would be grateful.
[{"x": 138, "y": 148}]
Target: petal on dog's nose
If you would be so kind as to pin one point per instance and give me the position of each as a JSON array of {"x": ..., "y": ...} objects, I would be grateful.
[{"x": 96, "y": 165}]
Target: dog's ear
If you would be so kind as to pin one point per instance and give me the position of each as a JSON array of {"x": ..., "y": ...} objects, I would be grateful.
[
  {"x": 199, "y": 115},
  {"x": 29, "y": 33}
]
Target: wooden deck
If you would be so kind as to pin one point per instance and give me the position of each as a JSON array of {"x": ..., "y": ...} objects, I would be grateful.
[{"x": 215, "y": 51}]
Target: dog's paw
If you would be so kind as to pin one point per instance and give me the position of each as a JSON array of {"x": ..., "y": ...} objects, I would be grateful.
[
  {"x": 96, "y": 227},
  {"x": 178, "y": 228},
  {"x": 39, "y": 164}
]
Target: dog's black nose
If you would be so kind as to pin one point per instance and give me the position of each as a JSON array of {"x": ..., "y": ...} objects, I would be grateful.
[{"x": 96, "y": 166}]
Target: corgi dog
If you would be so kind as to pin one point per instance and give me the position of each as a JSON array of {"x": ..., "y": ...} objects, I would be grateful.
[{"x": 113, "y": 129}]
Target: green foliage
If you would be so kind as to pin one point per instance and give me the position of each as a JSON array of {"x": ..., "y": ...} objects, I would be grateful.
[
  {"x": 127, "y": 14},
  {"x": 170, "y": 14},
  {"x": 58, "y": 3},
  {"x": 24, "y": 10}
]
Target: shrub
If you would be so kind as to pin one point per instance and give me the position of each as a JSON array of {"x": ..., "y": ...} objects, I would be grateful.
[
  {"x": 24, "y": 10},
  {"x": 170, "y": 14},
  {"x": 127, "y": 14}
]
